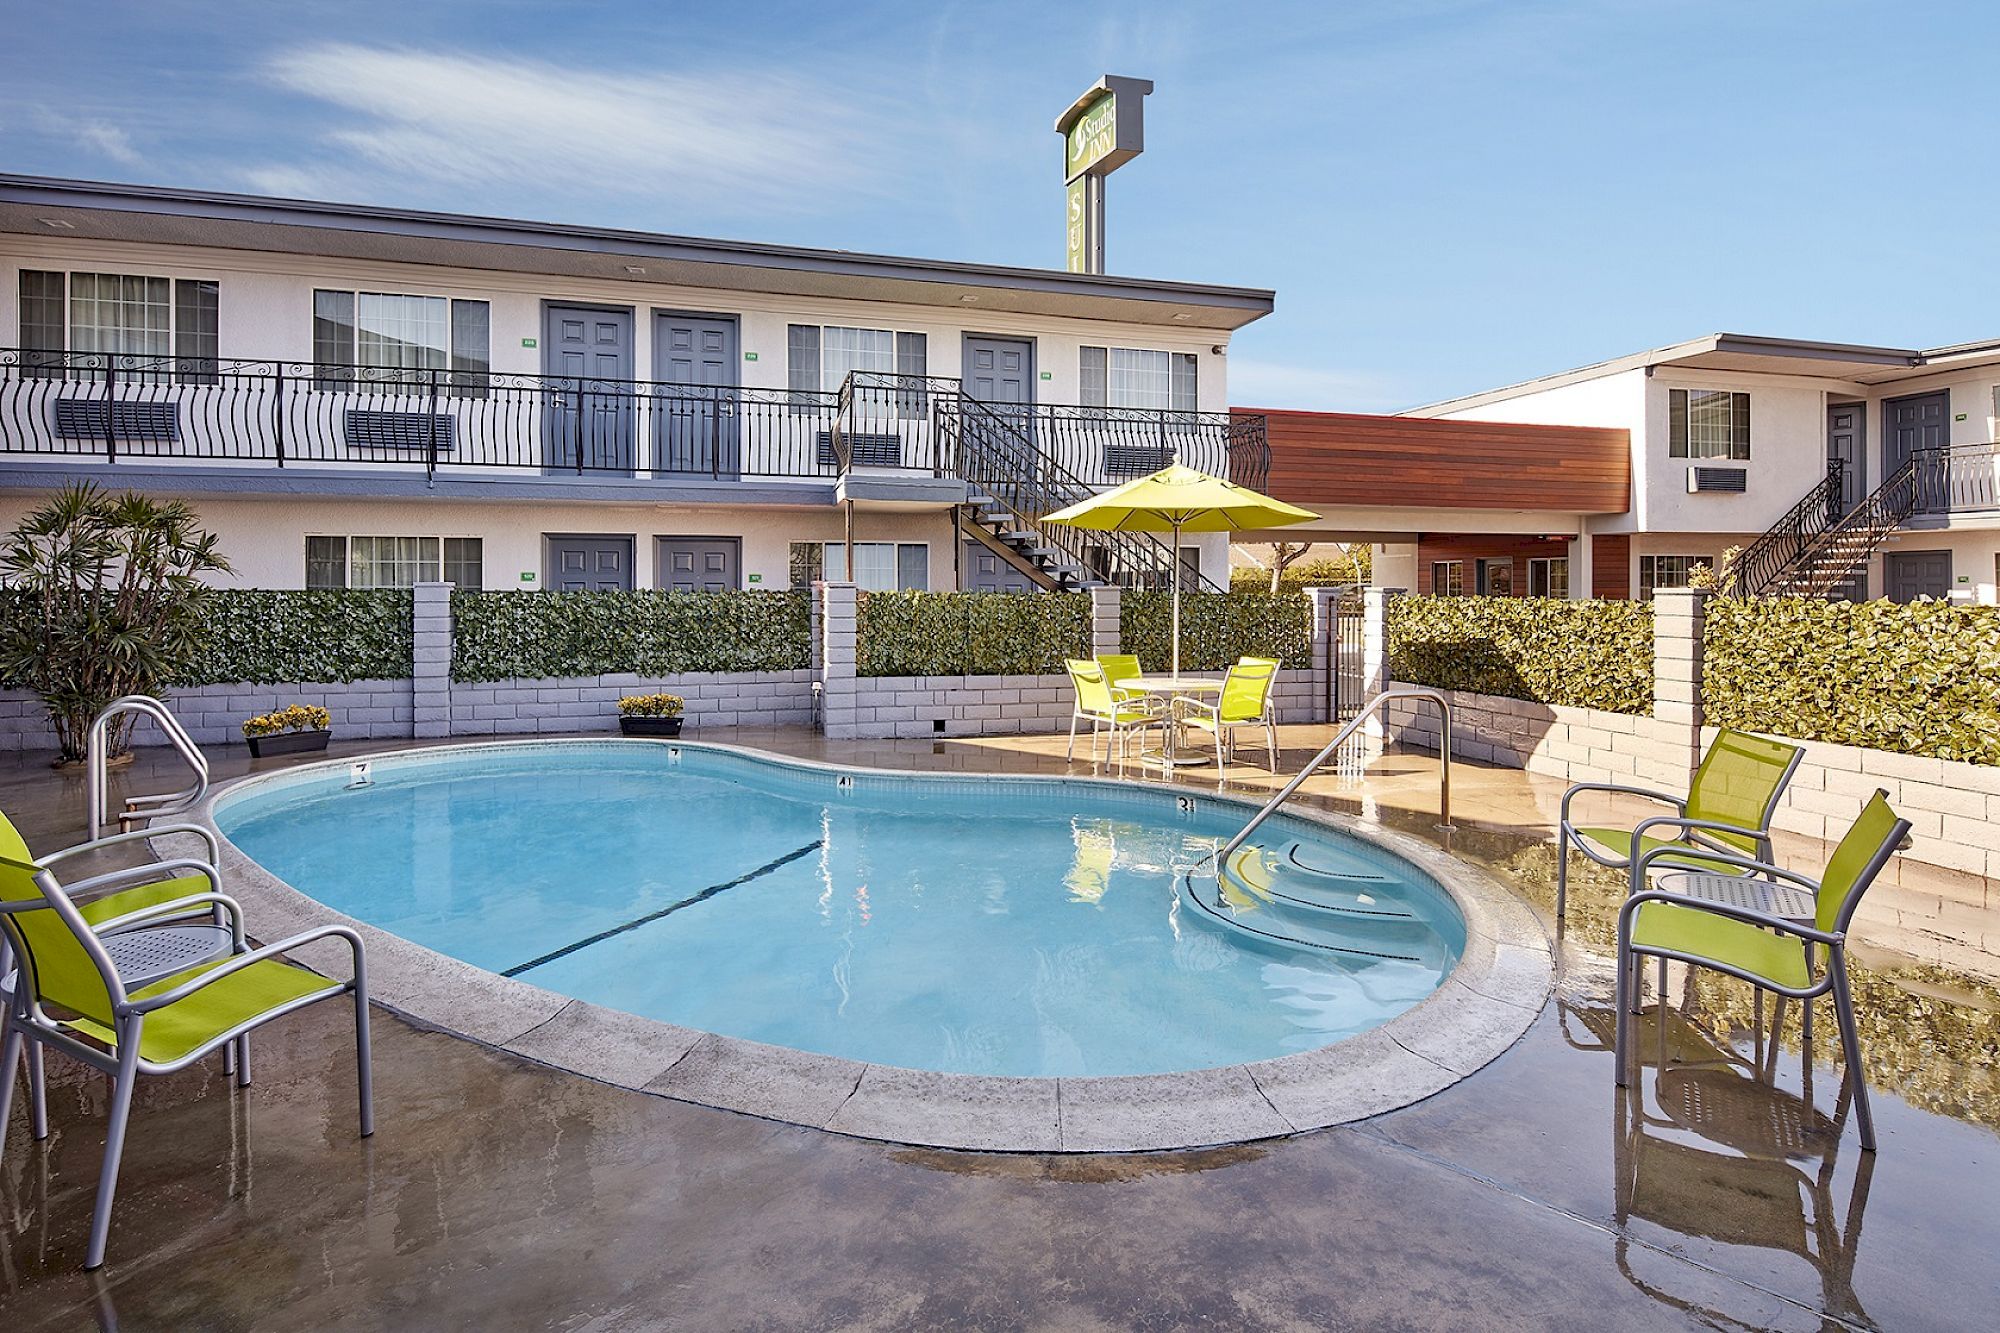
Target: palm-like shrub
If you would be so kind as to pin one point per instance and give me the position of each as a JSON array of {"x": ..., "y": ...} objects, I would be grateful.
[{"x": 109, "y": 598}]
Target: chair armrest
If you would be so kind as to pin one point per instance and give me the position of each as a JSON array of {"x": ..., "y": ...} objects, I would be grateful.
[
  {"x": 1687, "y": 825},
  {"x": 1832, "y": 938},
  {"x": 1748, "y": 864},
  {"x": 222, "y": 904},
  {"x": 1677, "y": 802},
  {"x": 131, "y": 876},
  {"x": 136, "y": 835},
  {"x": 243, "y": 960}
]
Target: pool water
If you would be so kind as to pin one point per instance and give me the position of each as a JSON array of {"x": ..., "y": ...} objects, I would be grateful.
[{"x": 989, "y": 926}]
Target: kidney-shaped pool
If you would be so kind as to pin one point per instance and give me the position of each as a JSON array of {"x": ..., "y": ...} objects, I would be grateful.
[{"x": 1028, "y": 927}]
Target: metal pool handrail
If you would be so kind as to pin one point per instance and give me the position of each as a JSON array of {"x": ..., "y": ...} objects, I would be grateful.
[
  {"x": 139, "y": 808},
  {"x": 1353, "y": 724}
]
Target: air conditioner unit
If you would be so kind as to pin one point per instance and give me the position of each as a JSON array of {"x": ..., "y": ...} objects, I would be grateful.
[{"x": 1726, "y": 480}]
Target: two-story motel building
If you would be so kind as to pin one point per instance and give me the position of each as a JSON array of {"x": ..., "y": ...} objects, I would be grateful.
[{"x": 371, "y": 397}]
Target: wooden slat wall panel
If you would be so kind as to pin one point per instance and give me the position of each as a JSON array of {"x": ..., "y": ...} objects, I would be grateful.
[
  {"x": 1472, "y": 547},
  {"x": 1345, "y": 458},
  {"x": 1611, "y": 565}
]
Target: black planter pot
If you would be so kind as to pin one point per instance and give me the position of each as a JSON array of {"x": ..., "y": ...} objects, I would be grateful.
[
  {"x": 650, "y": 726},
  {"x": 288, "y": 742}
]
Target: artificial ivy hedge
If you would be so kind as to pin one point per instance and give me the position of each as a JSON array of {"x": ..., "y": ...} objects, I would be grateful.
[
  {"x": 268, "y": 636},
  {"x": 1216, "y": 628},
  {"x": 1921, "y": 679},
  {"x": 535, "y": 635},
  {"x": 1581, "y": 654},
  {"x": 970, "y": 633}
]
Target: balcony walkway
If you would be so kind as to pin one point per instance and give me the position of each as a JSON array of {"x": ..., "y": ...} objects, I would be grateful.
[{"x": 497, "y": 1193}]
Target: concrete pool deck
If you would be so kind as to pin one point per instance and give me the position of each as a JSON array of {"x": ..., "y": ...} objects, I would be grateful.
[
  {"x": 1501, "y": 981},
  {"x": 498, "y": 1192}
]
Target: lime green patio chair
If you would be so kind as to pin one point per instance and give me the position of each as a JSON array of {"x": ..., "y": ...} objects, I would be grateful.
[
  {"x": 145, "y": 886},
  {"x": 1118, "y": 668},
  {"x": 68, "y": 995},
  {"x": 1245, "y": 701},
  {"x": 1770, "y": 952},
  {"x": 1728, "y": 808},
  {"x": 1096, "y": 704}
]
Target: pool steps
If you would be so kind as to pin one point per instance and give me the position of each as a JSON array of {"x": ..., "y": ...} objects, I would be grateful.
[{"x": 1277, "y": 895}]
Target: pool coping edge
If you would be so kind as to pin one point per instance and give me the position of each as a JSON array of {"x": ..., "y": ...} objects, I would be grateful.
[{"x": 1485, "y": 1004}]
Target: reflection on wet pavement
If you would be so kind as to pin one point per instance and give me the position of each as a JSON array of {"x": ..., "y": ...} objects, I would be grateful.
[{"x": 1724, "y": 1189}]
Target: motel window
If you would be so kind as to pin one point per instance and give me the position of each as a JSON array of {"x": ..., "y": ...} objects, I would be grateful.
[
  {"x": 1496, "y": 578},
  {"x": 385, "y": 337},
  {"x": 1666, "y": 571},
  {"x": 124, "y": 315},
  {"x": 1708, "y": 423},
  {"x": 1448, "y": 578},
  {"x": 1135, "y": 377},
  {"x": 819, "y": 358},
  {"x": 878, "y": 566},
  {"x": 1548, "y": 576},
  {"x": 393, "y": 562}
]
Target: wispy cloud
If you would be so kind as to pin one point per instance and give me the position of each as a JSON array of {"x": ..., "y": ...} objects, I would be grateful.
[
  {"x": 744, "y": 138},
  {"x": 99, "y": 137},
  {"x": 1254, "y": 383}
]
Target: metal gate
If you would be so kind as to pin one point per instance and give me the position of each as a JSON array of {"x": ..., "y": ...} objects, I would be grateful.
[{"x": 1343, "y": 655}]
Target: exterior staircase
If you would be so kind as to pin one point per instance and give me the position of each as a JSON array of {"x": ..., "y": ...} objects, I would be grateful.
[
  {"x": 1011, "y": 483},
  {"x": 1816, "y": 550}
]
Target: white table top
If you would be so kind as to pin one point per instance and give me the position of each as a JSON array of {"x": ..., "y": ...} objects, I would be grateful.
[
  {"x": 1167, "y": 684},
  {"x": 151, "y": 953}
]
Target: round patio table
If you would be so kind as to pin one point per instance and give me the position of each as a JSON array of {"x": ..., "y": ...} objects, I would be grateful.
[
  {"x": 1787, "y": 902},
  {"x": 1167, "y": 756},
  {"x": 152, "y": 953}
]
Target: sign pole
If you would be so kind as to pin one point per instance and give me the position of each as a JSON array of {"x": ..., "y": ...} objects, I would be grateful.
[{"x": 1102, "y": 131}]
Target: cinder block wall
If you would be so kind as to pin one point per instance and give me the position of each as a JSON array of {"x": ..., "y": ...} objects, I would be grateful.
[
  {"x": 213, "y": 714},
  {"x": 590, "y": 703}
]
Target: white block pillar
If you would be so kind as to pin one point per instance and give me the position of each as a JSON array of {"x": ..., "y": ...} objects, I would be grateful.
[
  {"x": 1375, "y": 654},
  {"x": 1105, "y": 633},
  {"x": 1678, "y": 615},
  {"x": 836, "y": 658},
  {"x": 430, "y": 664}
]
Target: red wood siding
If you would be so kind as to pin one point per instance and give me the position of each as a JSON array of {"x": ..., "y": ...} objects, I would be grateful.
[
  {"x": 1473, "y": 547},
  {"x": 1611, "y": 566},
  {"x": 1345, "y": 458}
]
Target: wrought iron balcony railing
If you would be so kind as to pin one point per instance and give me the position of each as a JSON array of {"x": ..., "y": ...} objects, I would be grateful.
[{"x": 125, "y": 407}]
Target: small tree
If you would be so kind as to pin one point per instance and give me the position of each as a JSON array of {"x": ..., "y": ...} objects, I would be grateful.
[
  {"x": 1283, "y": 556},
  {"x": 108, "y": 601}
]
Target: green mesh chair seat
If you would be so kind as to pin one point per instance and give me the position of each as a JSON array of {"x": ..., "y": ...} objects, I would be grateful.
[
  {"x": 1769, "y": 952},
  {"x": 199, "y": 1022},
  {"x": 1728, "y": 807}
]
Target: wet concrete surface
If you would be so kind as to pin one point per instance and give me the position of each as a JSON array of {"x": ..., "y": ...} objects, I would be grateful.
[{"x": 1727, "y": 1190}]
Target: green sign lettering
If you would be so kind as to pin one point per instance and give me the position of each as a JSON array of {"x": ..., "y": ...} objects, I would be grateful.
[{"x": 1092, "y": 138}]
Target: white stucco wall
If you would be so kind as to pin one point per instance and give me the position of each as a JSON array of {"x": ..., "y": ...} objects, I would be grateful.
[{"x": 265, "y": 305}]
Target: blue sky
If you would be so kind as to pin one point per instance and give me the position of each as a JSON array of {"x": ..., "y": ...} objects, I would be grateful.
[{"x": 1447, "y": 194}]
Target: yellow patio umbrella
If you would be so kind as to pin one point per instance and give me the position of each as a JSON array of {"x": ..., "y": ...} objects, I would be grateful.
[{"x": 1179, "y": 499}]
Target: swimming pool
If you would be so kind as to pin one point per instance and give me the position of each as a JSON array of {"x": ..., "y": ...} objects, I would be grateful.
[{"x": 1023, "y": 927}]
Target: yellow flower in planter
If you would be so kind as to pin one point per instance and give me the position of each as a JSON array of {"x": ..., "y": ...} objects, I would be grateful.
[
  {"x": 297, "y": 717},
  {"x": 651, "y": 705}
]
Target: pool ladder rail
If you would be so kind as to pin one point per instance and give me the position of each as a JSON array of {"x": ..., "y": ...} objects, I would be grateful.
[
  {"x": 1285, "y": 889},
  {"x": 139, "y": 809}
]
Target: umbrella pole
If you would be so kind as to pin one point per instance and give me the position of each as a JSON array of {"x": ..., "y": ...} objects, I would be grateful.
[{"x": 1177, "y": 600}]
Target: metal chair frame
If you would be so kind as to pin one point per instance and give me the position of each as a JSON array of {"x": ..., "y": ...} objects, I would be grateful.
[{"x": 24, "y": 1022}]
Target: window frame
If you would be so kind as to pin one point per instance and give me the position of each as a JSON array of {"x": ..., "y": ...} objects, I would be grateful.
[
  {"x": 908, "y": 351},
  {"x": 194, "y": 352},
  {"x": 901, "y": 553},
  {"x": 439, "y": 562},
  {"x": 1454, "y": 571},
  {"x": 1681, "y": 407},
  {"x": 1096, "y": 376},
  {"x": 1649, "y": 568},
  {"x": 1547, "y": 565},
  {"x": 462, "y": 374}
]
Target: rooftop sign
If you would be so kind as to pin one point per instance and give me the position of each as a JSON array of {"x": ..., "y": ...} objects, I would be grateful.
[{"x": 1102, "y": 131}]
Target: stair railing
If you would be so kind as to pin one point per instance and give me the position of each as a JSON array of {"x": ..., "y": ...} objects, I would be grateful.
[
  {"x": 97, "y": 760},
  {"x": 1766, "y": 559},
  {"x": 1368, "y": 710},
  {"x": 1837, "y": 551}
]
